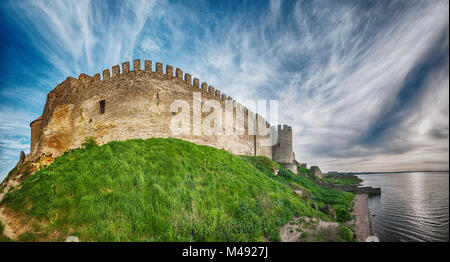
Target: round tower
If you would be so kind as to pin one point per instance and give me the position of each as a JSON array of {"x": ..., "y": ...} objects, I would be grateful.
[
  {"x": 282, "y": 150},
  {"x": 35, "y": 134}
]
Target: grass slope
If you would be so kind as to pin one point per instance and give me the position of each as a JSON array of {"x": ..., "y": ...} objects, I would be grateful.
[{"x": 165, "y": 190}]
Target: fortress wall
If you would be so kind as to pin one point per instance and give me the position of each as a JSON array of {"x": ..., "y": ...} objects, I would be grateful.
[{"x": 136, "y": 105}]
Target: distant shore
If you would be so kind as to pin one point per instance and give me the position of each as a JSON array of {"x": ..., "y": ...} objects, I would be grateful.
[{"x": 361, "y": 223}]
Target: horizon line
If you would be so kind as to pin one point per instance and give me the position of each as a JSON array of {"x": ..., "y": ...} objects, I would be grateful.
[{"x": 378, "y": 172}]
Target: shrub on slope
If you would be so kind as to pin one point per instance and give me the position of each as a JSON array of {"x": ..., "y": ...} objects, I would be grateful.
[{"x": 339, "y": 200}]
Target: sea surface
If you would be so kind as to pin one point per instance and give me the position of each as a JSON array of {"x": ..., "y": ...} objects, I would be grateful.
[{"x": 412, "y": 206}]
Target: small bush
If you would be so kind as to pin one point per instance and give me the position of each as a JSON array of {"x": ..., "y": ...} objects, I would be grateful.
[
  {"x": 302, "y": 170},
  {"x": 29, "y": 236},
  {"x": 2, "y": 227},
  {"x": 342, "y": 213},
  {"x": 89, "y": 142},
  {"x": 304, "y": 234},
  {"x": 342, "y": 180},
  {"x": 345, "y": 234}
]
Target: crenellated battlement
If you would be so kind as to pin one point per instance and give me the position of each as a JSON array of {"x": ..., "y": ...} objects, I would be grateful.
[
  {"x": 148, "y": 65},
  {"x": 179, "y": 73},
  {"x": 136, "y": 64},
  {"x": 194, "y": 83},
  {"x": 284, "y": 130},
  {"x": 115, "y": 70},
  {"x": 188, "y": 78},
  {"x": 125, "y": 67},
  {"x": 169, "y": 70},
  {"x": 211, "y": 91}
]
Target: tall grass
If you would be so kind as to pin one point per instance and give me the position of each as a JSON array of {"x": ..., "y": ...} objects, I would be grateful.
[
  {"x": 161, "y": 190},
  {"x": 340, "y": 201}
]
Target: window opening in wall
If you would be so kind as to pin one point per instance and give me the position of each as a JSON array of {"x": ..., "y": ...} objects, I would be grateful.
[
  {"x": 157, "y": 99},
  {"x": 102, "y": 106}
]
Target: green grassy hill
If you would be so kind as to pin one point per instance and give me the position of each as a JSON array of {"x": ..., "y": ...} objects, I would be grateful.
[{"x": 166, "y": 190}]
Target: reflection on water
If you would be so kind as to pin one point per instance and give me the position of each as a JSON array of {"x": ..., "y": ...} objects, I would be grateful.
[{"x": 412, "y": 206}]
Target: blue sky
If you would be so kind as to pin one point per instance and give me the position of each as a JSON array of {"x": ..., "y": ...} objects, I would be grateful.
[{"x": 365, "y": 84}]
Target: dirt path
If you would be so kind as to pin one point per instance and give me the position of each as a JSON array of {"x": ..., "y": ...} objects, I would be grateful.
[
  {"x": 8, "y": 230},
  {"x": 15, "y": 225},
  {"x": 361, "y": 223},
  {"x": 305, "y": 229}
]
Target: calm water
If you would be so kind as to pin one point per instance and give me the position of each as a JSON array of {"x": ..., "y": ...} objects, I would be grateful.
[{"x": 412, "y": 206}]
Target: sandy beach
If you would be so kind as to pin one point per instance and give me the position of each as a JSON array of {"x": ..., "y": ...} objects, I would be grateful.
[{"x": 361, "y": 224}]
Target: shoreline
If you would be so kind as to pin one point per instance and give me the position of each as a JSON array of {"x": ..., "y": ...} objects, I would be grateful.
[{"x": 361, "y": 224}]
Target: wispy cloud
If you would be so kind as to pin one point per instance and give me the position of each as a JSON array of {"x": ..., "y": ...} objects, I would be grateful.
[
  {"x": 79, "y": 36},
  {"x": 363, "y": 83}
]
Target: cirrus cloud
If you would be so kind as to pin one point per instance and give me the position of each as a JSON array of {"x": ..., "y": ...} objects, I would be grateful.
[{"x": 363, "y": 83}]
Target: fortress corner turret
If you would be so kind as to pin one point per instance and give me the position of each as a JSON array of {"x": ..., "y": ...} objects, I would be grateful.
[
  {"x": 35, "y": 134},
  {"x": 282, "y": 151}
]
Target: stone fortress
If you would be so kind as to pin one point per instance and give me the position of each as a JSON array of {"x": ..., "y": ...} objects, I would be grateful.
[{"x": 137, "y": 104}]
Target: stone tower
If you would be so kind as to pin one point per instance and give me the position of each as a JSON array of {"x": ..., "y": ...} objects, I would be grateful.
[
  {"x": 282, "y": 150},
  {"x": 35, "y": 134}
]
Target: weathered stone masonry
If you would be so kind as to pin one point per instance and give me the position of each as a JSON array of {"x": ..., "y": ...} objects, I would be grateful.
[{"x": 136, "y": 104}]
